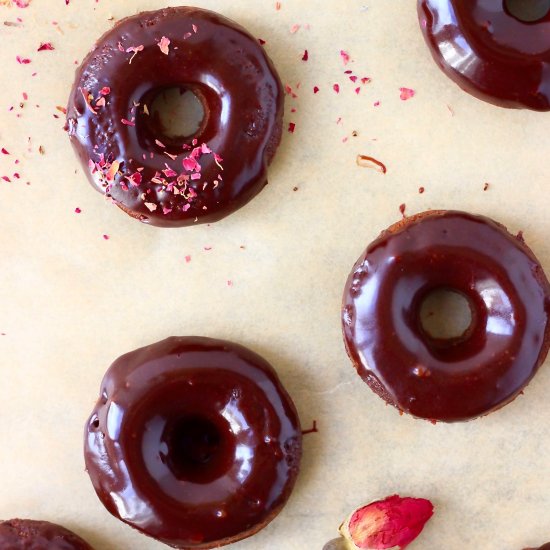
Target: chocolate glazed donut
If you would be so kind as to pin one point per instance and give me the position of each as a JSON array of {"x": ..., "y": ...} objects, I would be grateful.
[
  {"x": 27, "y": 534},
  {"x": 162, "y": 180},
  {"x": 498, "y": 51},
  {"x": 447, "y": 379},
  {"x": 543, "y": 547},
  {"x": 194, "y": 442}
]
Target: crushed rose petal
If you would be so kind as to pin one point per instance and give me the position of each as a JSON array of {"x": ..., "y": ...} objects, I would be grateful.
[
  {"x": 369, "y": 162},
  {"x": 87, "y": 98},
  {"x": 345, "y": 56},
  {"x": 164, "y": 44},
  {"x": 406, "y": 93},
  {"x": 135, "y": 50},
  {"x": 45, "y": 46}
]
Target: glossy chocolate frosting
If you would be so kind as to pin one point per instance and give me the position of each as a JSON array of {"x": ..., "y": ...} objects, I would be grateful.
[
  {"x": 488, "y": 52},
  {"x": 447, "y": 379},
  {"x": 543, "y": 547},
  {"x": 193, "y": 441},
  {"x": 168, "y": 181},
  {"x": 27, "y": 534}
]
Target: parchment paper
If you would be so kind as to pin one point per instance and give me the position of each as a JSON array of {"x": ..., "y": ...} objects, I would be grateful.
[{"x": 72, "y": 301}]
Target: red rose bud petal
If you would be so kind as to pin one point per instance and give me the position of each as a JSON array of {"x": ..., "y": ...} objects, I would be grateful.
[{"x": 390, "y": 523}]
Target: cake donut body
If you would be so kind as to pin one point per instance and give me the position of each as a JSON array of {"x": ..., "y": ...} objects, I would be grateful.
[
  {"x": 27, "y": 534},
  {"x": 490, "y": 52},
  {"x": 194, "y": 442},
  {"x": 447, "y": 379},
  {"x": 162, "y": 180}
]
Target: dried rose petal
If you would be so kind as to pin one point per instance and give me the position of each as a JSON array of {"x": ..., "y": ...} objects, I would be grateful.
[
  {"x": 345, "y": 56},
  {"x": 365, "y": 161},
  {"x": 45, "y": 46},
  {"x": 390, "y": 523},
  {"x": 406, "y": 93},
  {"x": 164, "y": 45}
]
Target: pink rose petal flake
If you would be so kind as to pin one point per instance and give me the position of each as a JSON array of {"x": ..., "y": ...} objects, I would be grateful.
[
  {"x": 406, "y": 93},
  {"x": 164, "y": 45},
  {"x": 135, "y": 50},
  {"x": 345, "y": 56}
]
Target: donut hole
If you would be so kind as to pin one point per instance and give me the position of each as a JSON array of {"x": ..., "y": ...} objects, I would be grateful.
[
  {"x": 528, "y": 11},
  {"x": 175, "y": 115},
  {"x": 196, "y": 449},
  {"x": 446, "y": 315}
]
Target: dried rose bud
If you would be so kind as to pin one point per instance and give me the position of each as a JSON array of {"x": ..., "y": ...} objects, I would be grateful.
[{"x": 390, "y": 523}]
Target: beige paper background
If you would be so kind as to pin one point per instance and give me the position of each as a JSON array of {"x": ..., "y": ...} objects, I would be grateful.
[{"x": 71, "y": 302}]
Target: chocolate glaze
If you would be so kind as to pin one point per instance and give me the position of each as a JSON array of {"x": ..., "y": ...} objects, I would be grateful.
[
  {"x": 242, "y": 96},
  {"x": 488, "y": 52},
  {"x": 27, "y": 534},
  {"x": 543, "y": 547},
  {"x": 193, "y": 441},
  {"x": 447, "y": 379}
]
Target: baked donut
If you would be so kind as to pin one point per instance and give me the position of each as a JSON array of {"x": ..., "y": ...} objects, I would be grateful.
[
  {"x": 27, "y": 534},
  {"x": 543, "y": 547},
  {"x": 462, "y": 377},
  {"x": 193, "y": 442},
  {"x": 161, "y": 179},
  {"x": 498, "y": 51}
]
